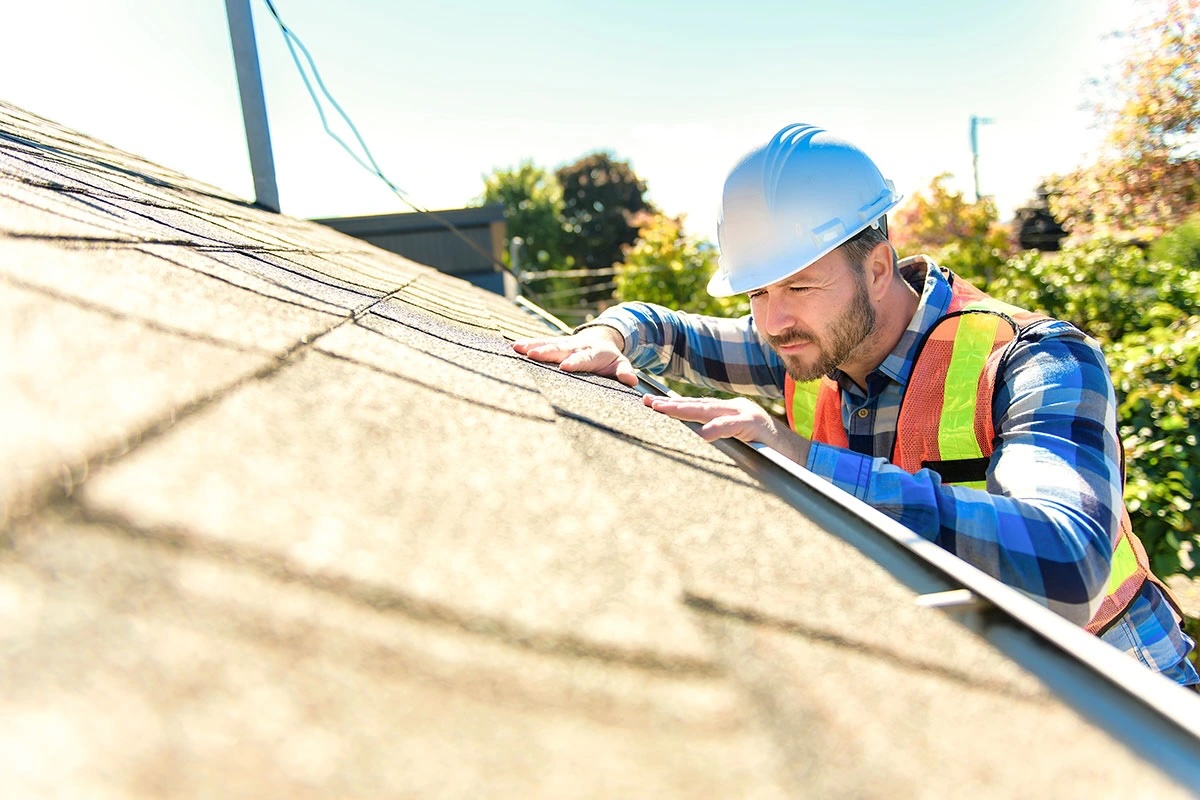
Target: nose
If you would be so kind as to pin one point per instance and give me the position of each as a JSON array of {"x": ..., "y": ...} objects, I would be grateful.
[{"x": 772, "y": 314}]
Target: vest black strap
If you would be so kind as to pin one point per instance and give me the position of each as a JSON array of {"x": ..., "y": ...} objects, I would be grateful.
[{"x": 962, "y": 470}]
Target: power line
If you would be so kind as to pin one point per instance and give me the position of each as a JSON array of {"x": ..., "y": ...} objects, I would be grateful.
[
  {"x": 366, "y": 161},
  {"x": 583, "y": 290},
  {"x": 588, "y": 273}
]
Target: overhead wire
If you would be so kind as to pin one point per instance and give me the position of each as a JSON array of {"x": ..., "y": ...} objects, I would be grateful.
[
  {"x": 366, "y": 160},
  {"x": 580, "y": 290}
]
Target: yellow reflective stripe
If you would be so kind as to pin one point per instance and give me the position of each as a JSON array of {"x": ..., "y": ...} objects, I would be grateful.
[
  {"x": 972, "y": 345},
  {"x": 1124, "y": 564},
  {"x": 973, "y": 484},
  {"x": 804, "y": 407}
]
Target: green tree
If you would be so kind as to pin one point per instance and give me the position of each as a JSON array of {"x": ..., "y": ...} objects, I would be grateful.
[
  {"x": 1148, "y": 177},
  {"x": 961, "y": 235},
  {"x": 532, "y": 201},
  {"x": 667, "y": 267},
  {"x": 1181, "y": 246},
  {"x": 603, "y": 199}
]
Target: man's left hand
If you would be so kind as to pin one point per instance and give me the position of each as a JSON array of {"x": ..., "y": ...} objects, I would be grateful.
[{"x": 738, "y": 418}]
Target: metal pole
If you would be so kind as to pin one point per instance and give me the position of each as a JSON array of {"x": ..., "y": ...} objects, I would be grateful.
[
  {"x": 975, "y": 123},
  {"x": 514, "y": 259},
  {"x": 254, "y": 104}
]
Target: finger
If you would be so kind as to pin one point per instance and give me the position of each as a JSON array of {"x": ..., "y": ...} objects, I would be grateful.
[
  {"x": 687, "y": 408},
  {"x": 552, "y": 351},
  {"x": 523, "y": 346},
  {"x": 733, "y": 426},
  {"x": 626, "y": 374}
]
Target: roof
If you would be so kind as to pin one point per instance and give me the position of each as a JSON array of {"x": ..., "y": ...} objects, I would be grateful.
[{"x": 285, "y": 515}]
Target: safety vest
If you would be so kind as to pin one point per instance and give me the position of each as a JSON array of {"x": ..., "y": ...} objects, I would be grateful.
[{"x": 945, "y": 419}]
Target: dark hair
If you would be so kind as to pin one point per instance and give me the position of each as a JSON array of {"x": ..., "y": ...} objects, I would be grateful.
[{"x": 859, "y": 247}]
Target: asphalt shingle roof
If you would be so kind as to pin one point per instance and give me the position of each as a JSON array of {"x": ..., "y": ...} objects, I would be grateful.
[{"x": 284, "y": 515}]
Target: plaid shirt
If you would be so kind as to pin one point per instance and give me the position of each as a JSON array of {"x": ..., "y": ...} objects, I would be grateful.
[{"x": 1046, "y": 523}]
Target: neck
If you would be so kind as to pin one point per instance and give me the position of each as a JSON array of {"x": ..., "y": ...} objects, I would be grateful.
[{"x": 893, "y": 312}]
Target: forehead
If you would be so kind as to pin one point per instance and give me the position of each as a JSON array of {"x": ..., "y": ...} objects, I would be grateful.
[{"x": 830, "y": 266}]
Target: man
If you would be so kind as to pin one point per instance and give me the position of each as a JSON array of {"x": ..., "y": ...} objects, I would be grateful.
[{"x": 984, "y": 428}]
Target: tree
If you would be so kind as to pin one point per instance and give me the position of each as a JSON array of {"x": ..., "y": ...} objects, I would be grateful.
[
  {"x": 1147, "y": 178},
  {"x": 964, "y": 236},
  {"x": 532, "y": 201},
  {"x": 601, "y": 200},
  {"x": 667, "y": 267}
]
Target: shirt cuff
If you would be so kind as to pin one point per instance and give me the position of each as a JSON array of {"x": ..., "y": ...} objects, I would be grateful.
[{"x": 847, "y": 470}]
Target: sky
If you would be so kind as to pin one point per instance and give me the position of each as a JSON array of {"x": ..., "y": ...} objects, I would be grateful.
[{"x": 445, "y": 93}]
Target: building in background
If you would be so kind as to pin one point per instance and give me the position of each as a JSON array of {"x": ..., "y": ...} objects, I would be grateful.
[{"x": 472, "y": 249}]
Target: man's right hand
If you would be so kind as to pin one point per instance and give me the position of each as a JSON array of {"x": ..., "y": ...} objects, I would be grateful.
[{"x": 596, "y": 350}]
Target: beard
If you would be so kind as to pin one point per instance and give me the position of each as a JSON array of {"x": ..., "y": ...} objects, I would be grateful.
[{"x": 844, "y": 335}]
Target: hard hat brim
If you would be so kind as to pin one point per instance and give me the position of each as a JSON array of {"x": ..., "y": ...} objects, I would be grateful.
[{"x": 722, "y": 284}]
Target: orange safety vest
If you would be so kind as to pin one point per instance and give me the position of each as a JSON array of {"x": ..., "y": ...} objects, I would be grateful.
[{"x": 945, "y": 419}]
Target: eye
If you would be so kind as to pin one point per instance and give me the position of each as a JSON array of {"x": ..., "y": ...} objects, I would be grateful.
[{"x": 756, "y": 294}]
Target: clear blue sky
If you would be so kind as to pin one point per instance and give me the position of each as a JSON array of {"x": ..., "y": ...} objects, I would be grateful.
[{"x": 444, "y": 93}]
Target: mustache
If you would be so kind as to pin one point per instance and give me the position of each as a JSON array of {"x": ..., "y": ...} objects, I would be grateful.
[{"x": 790, "y": 337}]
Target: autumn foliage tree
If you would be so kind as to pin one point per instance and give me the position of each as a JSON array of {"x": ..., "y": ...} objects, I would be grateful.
[
  {"x": 1148, "y": 177},
  {"x": 668, "y": 267},
  {"x": 964, "y": 236}
]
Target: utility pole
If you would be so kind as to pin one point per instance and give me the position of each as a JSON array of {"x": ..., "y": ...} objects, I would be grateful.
[
  {"x": 514, "y": 259},
  {"x": 975, "y": 123},
  {"x": 254, "y": 104}
]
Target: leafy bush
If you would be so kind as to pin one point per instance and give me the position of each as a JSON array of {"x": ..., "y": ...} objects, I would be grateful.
[
  {"x": 1181, "y": 246},
  {"x": 1106, "y": 288},
  {"x": 1157, "y": 377}
]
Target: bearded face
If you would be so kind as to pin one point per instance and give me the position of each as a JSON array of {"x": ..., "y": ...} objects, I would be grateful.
[{"x": 839, "y": 338}]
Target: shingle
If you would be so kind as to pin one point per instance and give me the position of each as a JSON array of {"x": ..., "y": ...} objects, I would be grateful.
[
  {"x": 80, "y": 383},
  {"x": 132, "y": 668},
  {"x": 435, "y": 500}
]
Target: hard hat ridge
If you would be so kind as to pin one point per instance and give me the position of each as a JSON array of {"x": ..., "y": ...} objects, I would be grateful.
[{"x": 781, "y": 146}]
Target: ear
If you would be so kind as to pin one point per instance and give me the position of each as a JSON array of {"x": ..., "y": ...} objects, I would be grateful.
[{"x": 878, "y": 268}]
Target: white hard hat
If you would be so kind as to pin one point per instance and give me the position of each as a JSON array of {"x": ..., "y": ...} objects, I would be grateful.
[{"x": 790, "y": 202}]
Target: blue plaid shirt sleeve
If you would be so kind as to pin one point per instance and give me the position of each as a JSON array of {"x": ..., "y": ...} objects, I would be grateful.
[
  {"x": 1047, "y": 520},
  {"x": 714, "y": 352}
]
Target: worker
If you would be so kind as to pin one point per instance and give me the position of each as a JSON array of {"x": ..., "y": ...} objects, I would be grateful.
[{"x": 989, "y": 430}]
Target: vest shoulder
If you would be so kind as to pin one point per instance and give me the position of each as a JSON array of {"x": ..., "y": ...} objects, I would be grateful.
[{"x": 1048, "y": 328}]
